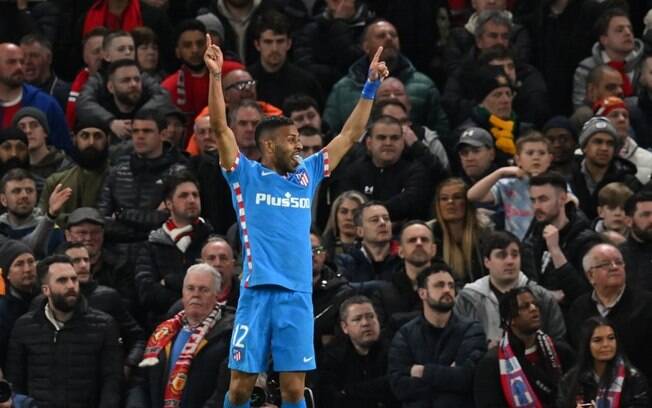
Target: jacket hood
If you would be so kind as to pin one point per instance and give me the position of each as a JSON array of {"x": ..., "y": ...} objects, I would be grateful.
[
  {"x": 30, "y": 222},
  {"x": 630, "y": 62},
  {"x": 481, "y": 286},
  {"x": 54, "y": 157},
  {"x": 159, "y": 236}
]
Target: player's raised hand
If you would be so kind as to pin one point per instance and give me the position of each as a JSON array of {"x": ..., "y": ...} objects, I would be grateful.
[
  {"x": 213, "y": 57},
  {"x": 377, "y": 68}
]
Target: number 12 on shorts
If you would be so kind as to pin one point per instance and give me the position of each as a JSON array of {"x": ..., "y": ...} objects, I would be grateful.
[{"x": 239, "y": 334}]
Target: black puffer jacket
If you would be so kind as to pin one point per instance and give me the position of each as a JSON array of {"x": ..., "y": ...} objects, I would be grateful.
[
  {"x": 215, "y": 194},
  {"x": 449, "y": 355},
  {"x": 575, "y": 240},
  {"x": 132, "y": 192},
  {"x": 161, "y": 267},
  {"x": 79, "y": 366},
  {"x": 638, "y": 259}
]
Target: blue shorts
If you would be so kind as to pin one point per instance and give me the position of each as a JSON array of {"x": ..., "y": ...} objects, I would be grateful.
[{"x": 272, "y": 321}]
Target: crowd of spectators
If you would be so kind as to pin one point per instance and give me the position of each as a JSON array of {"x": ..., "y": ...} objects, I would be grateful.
[{"x": 486, "y": 243}]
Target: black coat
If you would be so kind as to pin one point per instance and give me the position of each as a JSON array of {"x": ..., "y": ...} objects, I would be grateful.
[
  {"x": 79, "y": 366},
  {"x": 638, "y": 263},
  {"x": 208, "y": 377},
  {"x": 350, "y": 380},
  {"x": 449, "y": 355},
  {"x": 632, "y": 320},
  {"x": 356, "y": 267},
  {"x": 274, "y": 87},
  {"x": 634, "y": 393},
  {"x": 575, "y": 240},
  {"x": 327, "y": 296},
  {"x": 161, "y": 267},
  {"x": 12, "y": 305},
  {"x": 214, "y": 191}
]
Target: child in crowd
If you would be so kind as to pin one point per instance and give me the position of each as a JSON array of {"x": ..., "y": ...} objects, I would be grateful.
[
  {"x": 611, "y": 211},
  {"x": 508, "y": 186}
]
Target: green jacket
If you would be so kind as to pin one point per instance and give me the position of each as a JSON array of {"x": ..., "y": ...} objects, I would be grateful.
[
  {"x": 85, "y": 184},
  {"x": 423, "y": 94}
]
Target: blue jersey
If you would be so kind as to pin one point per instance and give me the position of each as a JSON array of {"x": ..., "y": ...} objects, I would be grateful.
[{"x": 274, "y": 216}]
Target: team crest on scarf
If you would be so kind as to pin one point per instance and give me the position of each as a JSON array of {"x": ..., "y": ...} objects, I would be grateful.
[{"x": 517, "y": 390}]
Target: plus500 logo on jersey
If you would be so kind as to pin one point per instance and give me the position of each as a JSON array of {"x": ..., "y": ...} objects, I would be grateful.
[{"x": 286, "y": 201}]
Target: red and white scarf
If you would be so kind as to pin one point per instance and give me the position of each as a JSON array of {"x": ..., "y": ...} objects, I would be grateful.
[
  {"x": 516, "y": 387},
  {"x": 182, "y": 236},
  {"x": 164, "y": 334},
  {"x": 610, "y": 398}
]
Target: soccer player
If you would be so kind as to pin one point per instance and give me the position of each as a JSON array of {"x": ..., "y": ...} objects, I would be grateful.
[{"x": 273, "y": 201}]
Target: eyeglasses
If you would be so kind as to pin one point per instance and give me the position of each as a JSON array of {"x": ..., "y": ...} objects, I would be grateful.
[
  {"x": 318, "y": 250},
  {"x": 242, "y": 85},
  {"x": 618, "y": 263}
]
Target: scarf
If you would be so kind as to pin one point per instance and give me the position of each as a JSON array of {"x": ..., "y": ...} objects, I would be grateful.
[
  {"x": 610, "y": 398},
  {"x": 98, "y": 15},
  {"x": 502, "y": 130},
  {"x": 181, "y": 88},
  {"x": 75, "y": 90},
  {"x": 182, "y": 236},
  {"x": 164, "y": 335},
  {"x": 516, "y": 387},
  {"x": 619, "y": 66}
]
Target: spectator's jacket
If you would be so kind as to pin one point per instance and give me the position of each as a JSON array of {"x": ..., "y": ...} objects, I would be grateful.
[
  {"x": 13, "y": 304},
  {"x": 350, "y": 380},
  {"x": 214, "y": 191},
  {"x": 620, "y": 170},
  {"x": 478, "y": 302},
  {"x": 59, "y": 135},
  {"x": 575, "y": 240},
  {"x": 55, "y": 160},
  {"x": 638, "y": 258},
  {"x": 328, "y": 46},
  {"x": 449, "y": 355},
  {"x": 86, "y": 185},
  {"x": 56, "y": 88},
  {"x": 634, "y": 394},
  {"x": 37, "y": 231},
  {"x": 639, "y": 157},
  {"x": 403, "y": 187},
  {"x": 356, "y": 266},
  {"x": 426, "y": 108},
  {"x": 462, "y": 39},
  {"x": 77, "y": 366},
  {"x": 640, "y": 116},
  {"x": 183, "y": 95},
  {"x": 96, "y": 102},
  {"x": 327, "y": 296},
  {"x": 161, "y": 267},
  {"x": 39, "y": 17},
  {"x": 208, "y": 376},
  {"x": 132, "y": 192},
  {"x": 632, "y": 69}
]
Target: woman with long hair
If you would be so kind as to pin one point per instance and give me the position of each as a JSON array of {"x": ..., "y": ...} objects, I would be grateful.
[
  {"x": 340, "y": 232},
  {"x": 458, "y": 230},
  {"x": 602, "y": 376}
]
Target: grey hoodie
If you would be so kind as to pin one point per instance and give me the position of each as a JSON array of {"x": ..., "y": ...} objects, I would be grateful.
[{"x": 477, "y": 301}]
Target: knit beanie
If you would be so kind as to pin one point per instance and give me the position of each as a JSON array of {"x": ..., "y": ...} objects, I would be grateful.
[
  {"x": 604, "y": 106},
  {"x": 31, "y": 112},
  {"x": 84, "y": 122},
  {"x": 12, "y": 133},
  {"x": 560, "y": 122},
  {"x": 9, "y": 251},
  {"x": 487, "y": 78},
  {"x": 597, "y": 124}
]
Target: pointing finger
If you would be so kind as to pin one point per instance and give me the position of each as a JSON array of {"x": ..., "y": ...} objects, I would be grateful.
[
  {"x": 377, "y": 56},
  {"x": 209, "y": 41}
]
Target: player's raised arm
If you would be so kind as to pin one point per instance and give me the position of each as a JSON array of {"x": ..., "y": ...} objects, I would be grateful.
[
  {"x": 357, "y": 121},
  {"x": 226, "y": 144}
]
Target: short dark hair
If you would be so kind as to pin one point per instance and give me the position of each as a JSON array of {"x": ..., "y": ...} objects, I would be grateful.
[
  {"x": 550, "y": 177},
  {"x": 269, "y": 125},
  {"x": 95, "y": 32},
  {"x": 602, "y": 23},
  {"x": 498, "y": 17},
  {"x": 415, "y": 222},
  {"x": 189, "y": 24},
  {"x": 632, "y": 202},
  {"x": 310, "y": 131},
  {"x": 596, "y": 73},
  {"x": 274, "y": 21},
  {"x": 297, "y": 102},
  {"x": 357, "y": 213},
  {"x": 497, "y": 52},
  {"x": 153, "y": 115},
  {"x": 435, "y": 267},
  {"x": 15, "y": 175},
  {"x": 36, "y": 38},
  {"x": 245, "y": 103},
  {"x": 175, "y": 179},
  {"x": 144, "y": 35},
  {"x": 43, "y": 266},
  {"x": 353, "y": 300},
  {"x": 377, "y": 110},
  {"x": 121, "y": 63},
  {"x": 508, "y": 306},
  {"x": 499, "y": 240},
  {"x": 66, "y": 245},
  {"x": 383, "y": 120},
  {"x": 109, "y": 37}
]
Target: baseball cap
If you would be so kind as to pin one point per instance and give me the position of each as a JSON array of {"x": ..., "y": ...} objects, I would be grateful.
[
  {"x": 85, "y": 214},
  {"x": 476, "y": 137}
]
